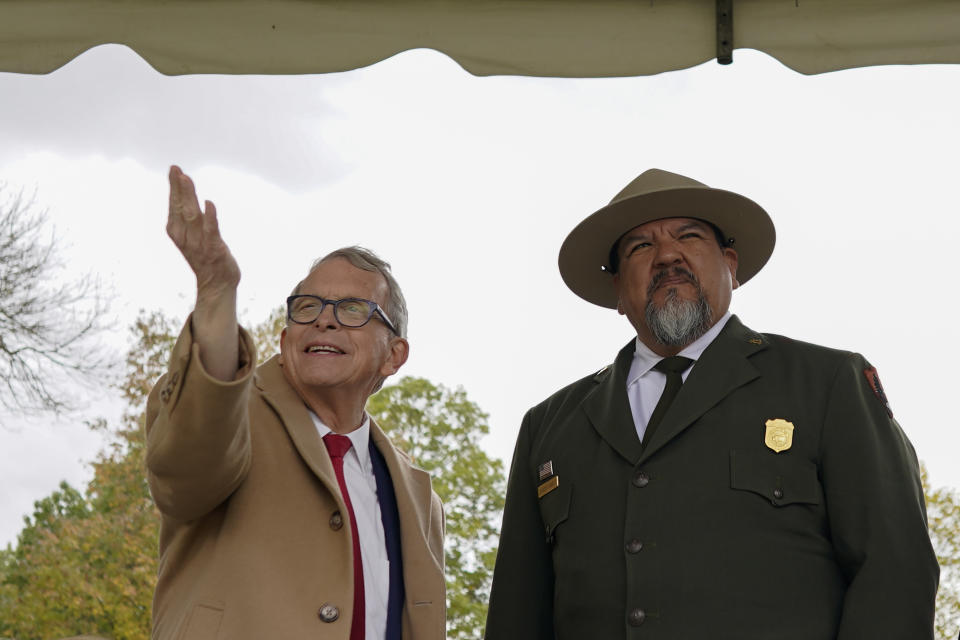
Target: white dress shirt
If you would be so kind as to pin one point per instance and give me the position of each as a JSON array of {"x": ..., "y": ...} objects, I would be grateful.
[
  {"x": 362, "y": 485},
  {"x": 645, "y": 384}
]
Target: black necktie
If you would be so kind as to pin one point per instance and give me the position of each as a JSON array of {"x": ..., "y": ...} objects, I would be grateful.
[{"x": 674, "y": 366}]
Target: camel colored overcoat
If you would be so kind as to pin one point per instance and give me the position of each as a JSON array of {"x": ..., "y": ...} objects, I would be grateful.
[{"x": 255, "y": 538}]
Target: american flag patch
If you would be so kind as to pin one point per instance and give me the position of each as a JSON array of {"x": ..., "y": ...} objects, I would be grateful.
[{"x": 545, "y": 470}]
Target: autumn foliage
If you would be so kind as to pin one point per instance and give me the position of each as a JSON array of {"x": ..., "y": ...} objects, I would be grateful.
[{"x": 85, "y": 562}]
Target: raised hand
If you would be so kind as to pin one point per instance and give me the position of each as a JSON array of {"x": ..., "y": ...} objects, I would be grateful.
[{"x": 197, "y": 235}]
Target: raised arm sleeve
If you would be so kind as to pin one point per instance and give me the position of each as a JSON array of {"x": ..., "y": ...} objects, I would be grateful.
[{"x": 198, "y": 431}]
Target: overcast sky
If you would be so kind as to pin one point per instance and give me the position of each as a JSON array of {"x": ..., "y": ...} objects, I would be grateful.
[{"x": 469, "y": 185}]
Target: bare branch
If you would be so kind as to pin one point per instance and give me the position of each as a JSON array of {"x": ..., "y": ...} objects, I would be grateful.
[{"x": 49, "y": 327}]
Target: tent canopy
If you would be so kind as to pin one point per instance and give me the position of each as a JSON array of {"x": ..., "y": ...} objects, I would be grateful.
[{"x": 565, "y": 38}]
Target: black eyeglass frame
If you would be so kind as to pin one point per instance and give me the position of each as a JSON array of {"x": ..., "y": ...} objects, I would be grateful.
[{"x": 374, "y": 309}]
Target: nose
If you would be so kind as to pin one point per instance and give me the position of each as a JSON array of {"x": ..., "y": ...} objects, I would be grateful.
[
  {"x": 327, "y": 318},
  {"x": 668, "y": 253}
]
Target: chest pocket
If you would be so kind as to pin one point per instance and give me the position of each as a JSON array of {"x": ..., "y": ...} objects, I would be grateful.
[
  {"x": 780, "y": 479},
  {"x": 555, "y": 509}
]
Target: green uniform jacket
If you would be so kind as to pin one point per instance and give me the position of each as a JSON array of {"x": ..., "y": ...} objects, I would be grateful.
[{"x": 707, "y": 532}]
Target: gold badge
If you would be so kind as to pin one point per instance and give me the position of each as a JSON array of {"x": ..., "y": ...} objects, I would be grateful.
[
  {"x": 548, "y": 486},
  {"x": 779, "y": 435}
]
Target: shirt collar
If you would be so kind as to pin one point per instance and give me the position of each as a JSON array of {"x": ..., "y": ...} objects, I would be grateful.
[
  {"x": 359, "y": 438},
  {"x": 644, "y": 357}
]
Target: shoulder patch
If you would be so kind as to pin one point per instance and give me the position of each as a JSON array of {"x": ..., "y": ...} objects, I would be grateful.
[{"x": 873, "y": 379}]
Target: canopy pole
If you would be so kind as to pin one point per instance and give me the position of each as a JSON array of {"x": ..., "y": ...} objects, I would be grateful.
[{"x": 724, "y": 31}]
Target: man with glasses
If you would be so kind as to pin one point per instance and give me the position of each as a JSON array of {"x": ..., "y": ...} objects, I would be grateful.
[
  {"x": 286, "y": 512},
  {"x": 713, "y": 482}
]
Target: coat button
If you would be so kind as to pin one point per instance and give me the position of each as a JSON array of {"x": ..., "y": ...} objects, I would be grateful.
[
  {"x": 636, "y": 617},
  {"x": 167, "y": 392},
  {"x": 336, "y": 521},
  {"x": 778, "y": 493},
  {"x": 640, "y": 479},
  {"x": 328, "y": 613},
  {"x": 634, "y": 546}
]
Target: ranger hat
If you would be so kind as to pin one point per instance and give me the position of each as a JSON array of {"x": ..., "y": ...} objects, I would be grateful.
[{"x": 654, "y": 195}]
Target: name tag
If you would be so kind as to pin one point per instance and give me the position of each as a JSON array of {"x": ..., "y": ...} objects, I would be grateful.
[{"x": 548, "y": 486}]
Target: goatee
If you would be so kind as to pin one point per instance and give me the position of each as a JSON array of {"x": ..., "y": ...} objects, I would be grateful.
[{"x": 678, "y": 322}]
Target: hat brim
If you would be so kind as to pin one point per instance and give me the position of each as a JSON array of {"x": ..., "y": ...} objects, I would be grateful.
[{"x": 586, "y": 250}]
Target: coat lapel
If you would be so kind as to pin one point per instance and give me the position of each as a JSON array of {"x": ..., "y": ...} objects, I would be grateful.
[
  {"x": 421, "y": 542},
  {"x": 608, "y": 409},
  {"x": 296, "y": 419},
  {"x": 411, "y": 485},
  {"x": 723, "y": 367},
  {"x": 414, "y": 499}
]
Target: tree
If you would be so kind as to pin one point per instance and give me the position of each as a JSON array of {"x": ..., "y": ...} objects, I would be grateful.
[
  {"x": 47, "y": 330},
  {"x": 266, "y": 335},
  {"x": 85, "y": 562},
  {"x": 943, "y": 517},
  {"x": 440, "y": 429}
]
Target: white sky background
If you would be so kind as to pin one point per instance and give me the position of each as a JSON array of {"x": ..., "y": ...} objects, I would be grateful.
[{"x": 469, "y": 185}]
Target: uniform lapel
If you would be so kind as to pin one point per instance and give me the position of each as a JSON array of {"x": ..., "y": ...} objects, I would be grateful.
[
  {"x": 296, "y": 419},
  {"x": 608, "y": 409},
  {"x": 723, "y": 367}
]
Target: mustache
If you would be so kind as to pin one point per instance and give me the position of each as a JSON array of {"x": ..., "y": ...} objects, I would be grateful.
[{"x": 663, "y": 274}]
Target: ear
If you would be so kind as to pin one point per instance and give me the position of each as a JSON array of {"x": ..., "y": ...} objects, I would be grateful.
[
  {"x": 399, "y": 351},
  {"x": 731, "y": 258},
  {"x": 283, "y": 342},
  {"x": 616, "y": 286}
]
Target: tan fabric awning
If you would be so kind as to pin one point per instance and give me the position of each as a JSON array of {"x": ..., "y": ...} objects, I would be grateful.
[{"x": 566, "y": 38}]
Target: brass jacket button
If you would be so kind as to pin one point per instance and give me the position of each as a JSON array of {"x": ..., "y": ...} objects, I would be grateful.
[
  {"x": 636, "y": 617},
  {"x": 328, "y": 613},
  {"x": 336, "y": 521}
]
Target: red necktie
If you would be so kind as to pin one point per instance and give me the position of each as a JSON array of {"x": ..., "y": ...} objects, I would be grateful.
[{"x": 338, "y": 446}]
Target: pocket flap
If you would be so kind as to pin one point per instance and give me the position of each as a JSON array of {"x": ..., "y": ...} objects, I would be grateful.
[
  {"x": 204, "y": 621},
  {"x": 555, "y": 507},
  {"x": 780, "y": 479}
]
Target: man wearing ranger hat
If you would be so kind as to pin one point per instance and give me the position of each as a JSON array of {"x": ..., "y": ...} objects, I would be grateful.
[{"x": 713, "y": 481}]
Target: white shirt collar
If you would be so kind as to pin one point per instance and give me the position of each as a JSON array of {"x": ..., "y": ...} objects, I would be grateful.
[
  {"x": 644, "y": 358},
  {"x": 359, "y": 438}
]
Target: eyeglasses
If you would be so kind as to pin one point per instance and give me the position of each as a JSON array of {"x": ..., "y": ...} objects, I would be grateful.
[{"x": 350, "y": 312}]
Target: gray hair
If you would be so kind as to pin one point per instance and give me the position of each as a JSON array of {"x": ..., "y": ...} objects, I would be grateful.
[
  {"x": 395, "y": 306},
  {"x": 679, "y": 322}
]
